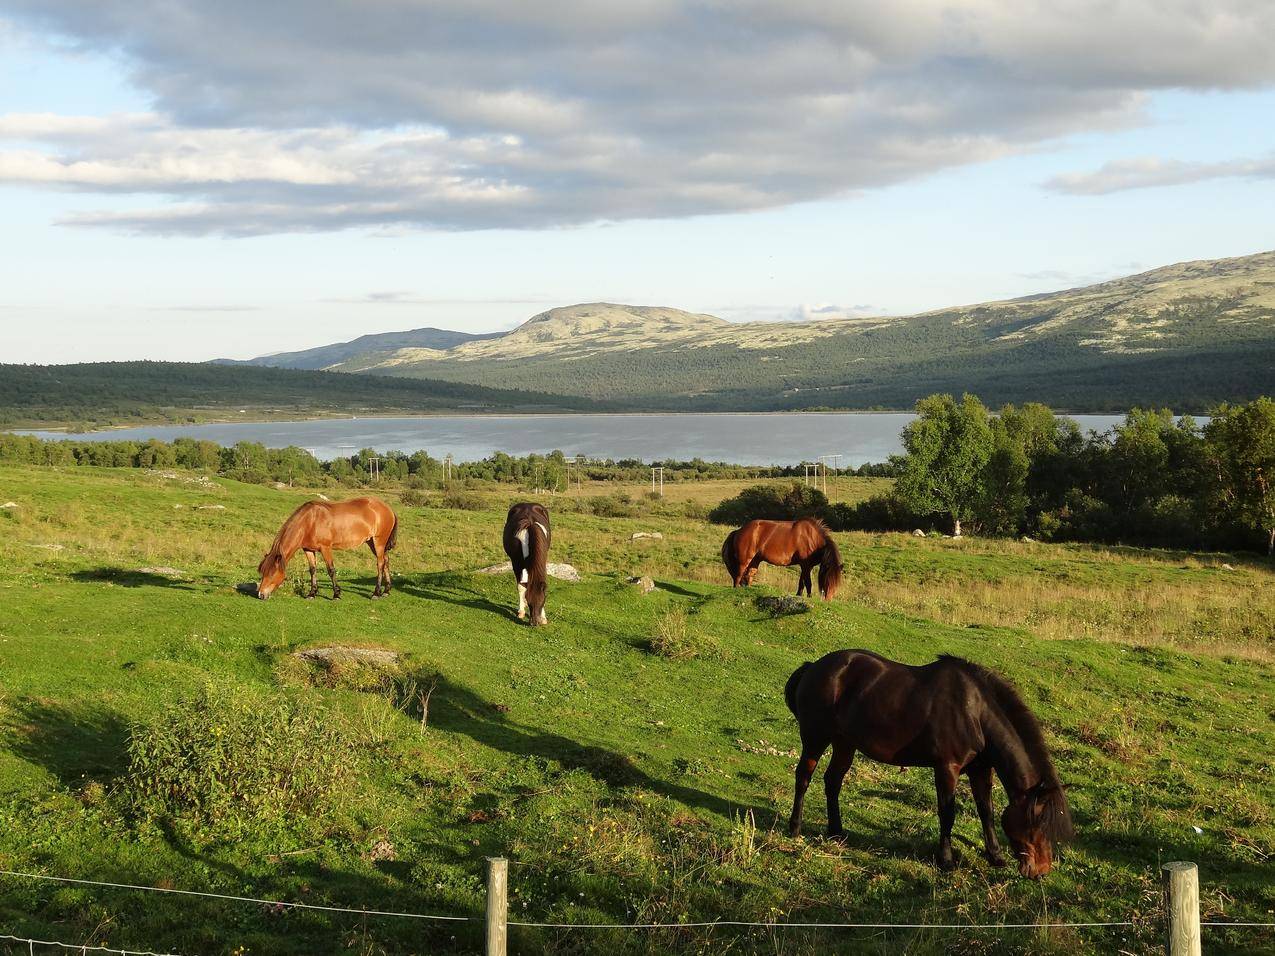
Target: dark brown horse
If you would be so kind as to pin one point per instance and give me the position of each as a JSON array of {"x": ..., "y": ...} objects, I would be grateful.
[
  {"x": 951, "y": 715},
  {"x": 526, "y": 541},
  {"x": 806, "y": 542},
  {"x": 321, "y": 527}
]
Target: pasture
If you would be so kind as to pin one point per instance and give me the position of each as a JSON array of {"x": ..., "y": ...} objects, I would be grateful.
[{"x": 633, "y": 759}]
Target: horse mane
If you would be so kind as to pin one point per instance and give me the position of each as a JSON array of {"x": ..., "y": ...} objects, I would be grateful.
[
  {"x": 729, "y": 556},
  {"x": 275, "y": 554},
  {"x": 1049, "y": 791}
]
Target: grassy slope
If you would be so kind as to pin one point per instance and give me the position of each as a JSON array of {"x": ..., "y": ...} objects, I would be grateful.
[{"x": 620, "y": 781}]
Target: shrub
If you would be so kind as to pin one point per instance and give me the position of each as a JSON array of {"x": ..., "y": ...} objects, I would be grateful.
[
  {"x": 414, "y": 498},
  {"x": 881, "y": 512},
  {"x": 771, "y": 502},
  {"x": 675, "y": 639},
  {"x": 459, "y": 500},
  {"x": 613, "y": 506},
  {"x": 233, "y": 761}
]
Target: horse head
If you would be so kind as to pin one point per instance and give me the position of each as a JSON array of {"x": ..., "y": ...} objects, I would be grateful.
[
  {"x": 1035, "y": 821},
  {"x": 537, "y": 591},
  {"x": 272, "y": 573}
]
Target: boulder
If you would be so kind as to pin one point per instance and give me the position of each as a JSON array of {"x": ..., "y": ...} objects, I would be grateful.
[
  {"x": 643, "y": 584},
  {"x": 653, "y": 535},
  {"x": 9, "y": 505},
  {"x": 918, "y": 533},
  {"x": 563, "y": 572}
]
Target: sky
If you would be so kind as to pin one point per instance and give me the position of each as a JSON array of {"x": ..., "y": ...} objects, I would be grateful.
[{"x": 187, "y": 180}]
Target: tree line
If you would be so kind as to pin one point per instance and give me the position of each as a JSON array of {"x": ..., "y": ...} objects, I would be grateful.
[
  {"x": 1152, "y": 480},
  {"x": 254, "y": 462}
]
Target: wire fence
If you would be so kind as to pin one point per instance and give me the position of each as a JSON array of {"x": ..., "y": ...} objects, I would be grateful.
[{"x": 500, "y": 911}]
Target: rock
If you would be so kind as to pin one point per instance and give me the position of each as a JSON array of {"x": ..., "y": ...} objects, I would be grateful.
[
  {"x": 9, "y": 505},
  {"x": 212, "y": 507},
  {"x": 163, "y": 572},
  {"x": 323, "y": 497},
  {"x": 563, "y": 572},
  {"x": 339, "y": 652},
  {"x": 644, "y": 584},
  {"x": 279, "y": 485},
  {"x": 918, "y": 533},
  {"x": 653, "y": 535},
  {"x": 1227, "y": 567},
  {"x": 1027, "y": 539}
]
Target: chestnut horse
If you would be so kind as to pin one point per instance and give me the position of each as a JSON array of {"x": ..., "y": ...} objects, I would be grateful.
[
  {"x": 951, "y": 715},
  {"x": 806, "y": 542},
  {"x": 526, "y": 541},
  {"x": 321, "y": 527}
]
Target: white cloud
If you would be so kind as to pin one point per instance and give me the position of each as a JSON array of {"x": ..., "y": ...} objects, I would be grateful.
[
  {"x": 1149, "y": 172},
  {"x": 464, "y": 114}
]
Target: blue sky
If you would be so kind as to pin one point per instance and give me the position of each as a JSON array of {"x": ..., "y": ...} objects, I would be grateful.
[{"x": 93, "y": 272}]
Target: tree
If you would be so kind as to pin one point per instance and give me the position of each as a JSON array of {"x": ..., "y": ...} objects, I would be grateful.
[
  {"x": 948, "y": 447},
  {"x": 1240, "y": 445}
]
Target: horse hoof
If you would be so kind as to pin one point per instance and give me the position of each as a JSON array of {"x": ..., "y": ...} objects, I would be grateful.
[
  {"x": 949, "y": 863},
  {"x": 995, "y": 859},
  {"x": 837, "y": 836}
]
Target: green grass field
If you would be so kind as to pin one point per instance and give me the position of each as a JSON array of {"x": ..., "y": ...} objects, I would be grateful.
[{"x": 624, "y": 784}]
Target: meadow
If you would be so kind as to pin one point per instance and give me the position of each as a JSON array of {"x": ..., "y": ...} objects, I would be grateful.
[{"x": 633, "y": 759}]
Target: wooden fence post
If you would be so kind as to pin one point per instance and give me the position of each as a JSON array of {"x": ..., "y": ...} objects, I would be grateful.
[
  {"x": 498, "y": 905},
  {"x": 1182, "y": 909}
]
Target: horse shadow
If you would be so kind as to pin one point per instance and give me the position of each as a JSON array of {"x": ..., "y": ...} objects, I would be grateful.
[
  {"x": 457, "y": 709},
  {"x": 130, "y": 578},
  {"x": 452, "y": 588}
]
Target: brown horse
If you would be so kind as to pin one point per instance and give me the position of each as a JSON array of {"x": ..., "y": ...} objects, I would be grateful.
[
  {"x": 806, "y": 542},
  {"x": 321, "y": 527},
  {"x": 526, "y": 541},
  {"x": 951, "y": 715}
]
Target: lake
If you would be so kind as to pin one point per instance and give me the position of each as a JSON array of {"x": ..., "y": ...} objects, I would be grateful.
[{"x": 754, "y": 439}]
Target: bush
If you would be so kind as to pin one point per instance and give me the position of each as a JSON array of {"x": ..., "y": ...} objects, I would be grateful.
[
  {"x": 414, "y": 498},
  {"x": 459, "y": 500},
  {"x": 613, "y": 506},
  {"x": 676, "y": 640},
  {"x": 234, "y": 762},
  {"x": 882, "y": 512},
  {"x": 772, "y": 503}
]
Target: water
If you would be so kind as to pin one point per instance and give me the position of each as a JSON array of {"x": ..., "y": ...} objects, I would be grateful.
[{"x": 751, "y": 439}]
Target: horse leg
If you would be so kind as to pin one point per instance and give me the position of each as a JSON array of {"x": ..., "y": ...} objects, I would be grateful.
[
  {"x": 750, "y": 570},
  {"x": 378, "y": 552},
  {"x": 945, "y": 779},
  {"x": 803, "y": 582},
  {"x": 833, "y": 777},
  {"x": 981, "y": 784},
  {"x": 519, "y": 577},
  {"x": 810, "y": 754},
  {"x": 311, "y": 560},
  {"x": 327, "y": 559}
]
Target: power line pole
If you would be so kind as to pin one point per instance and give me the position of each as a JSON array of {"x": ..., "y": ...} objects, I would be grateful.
[{"x": 657, "y": 470}]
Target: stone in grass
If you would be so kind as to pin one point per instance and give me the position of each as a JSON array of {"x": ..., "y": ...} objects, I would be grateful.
[
  {"x": 782, "y": 606},
  {"x": 563, "y": 572},
  {"x": 643, "y": 584},
  {"x": 918, "y": 533},
  {"x": 163, "y": 572},
  {"x": 9, "y": 505},
  {"x": 653, "y": 535}
]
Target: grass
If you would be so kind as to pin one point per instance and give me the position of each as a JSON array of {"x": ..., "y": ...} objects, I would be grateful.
[{"x": 624, "y": 785}]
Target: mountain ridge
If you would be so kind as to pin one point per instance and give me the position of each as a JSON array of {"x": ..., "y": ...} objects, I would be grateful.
[{"x": 1215, "y": 318}]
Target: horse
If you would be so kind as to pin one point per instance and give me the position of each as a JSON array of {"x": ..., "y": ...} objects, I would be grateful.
[
  {"x": 320, "y": 527},
  {"x": 952, "y": 715},
  {"x": 526, "y": 541},
  {"x": 806, "y": 541}
]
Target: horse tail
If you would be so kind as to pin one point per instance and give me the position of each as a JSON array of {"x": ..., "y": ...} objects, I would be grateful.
[
  {"x": 393, "y": 538},
  {"x": 829, "y": 567},
  {"x": 730, "y": 557},
  {"x": 790, "y": 689}
]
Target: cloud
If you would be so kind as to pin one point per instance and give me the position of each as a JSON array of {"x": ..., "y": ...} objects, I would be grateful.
[
  {"x": 470, "y": 114},
  {"x": 1149, "y": 172},
  {"x": 206, "y": 308},
  {"x": 409, "y": 298},
  {"x": 805, "y": 312}
]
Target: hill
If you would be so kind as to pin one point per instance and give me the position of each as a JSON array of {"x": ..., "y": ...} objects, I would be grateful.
[
  {"x": 105, "y": 393},
  {"x": 145, "y": 701},
  {"x": 1187, "y": 336},
  {"x": 328, "y": 355}
]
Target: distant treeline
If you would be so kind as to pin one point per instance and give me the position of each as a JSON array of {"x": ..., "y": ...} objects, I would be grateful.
[
  {"x": 104, "y": 393},
  {"x": 1152, "y": 480},
  {"x": 254, "y": 462}
]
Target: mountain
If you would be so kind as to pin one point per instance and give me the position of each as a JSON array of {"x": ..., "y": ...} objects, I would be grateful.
[
  {"x": 113, "y": 393},
  {"x": 1187, "y": 336},
  {"x": 328, "y": 355}
]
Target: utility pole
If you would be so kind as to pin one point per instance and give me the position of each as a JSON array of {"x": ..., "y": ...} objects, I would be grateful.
[
  {"x": 657, "y": 472},
  {"x": 374, "y": 468},
  {"x": 447, "y": 467}
]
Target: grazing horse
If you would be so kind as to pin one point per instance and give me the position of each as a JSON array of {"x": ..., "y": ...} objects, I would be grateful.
[
  {"x": 320, "y": 527},
  {"x": 951, "y": 715},
  {"x": 806, "y": 542},
  {"x": 526, "y": 541}
]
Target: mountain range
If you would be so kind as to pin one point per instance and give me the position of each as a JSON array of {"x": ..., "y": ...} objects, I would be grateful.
[{"x": 1185, "y": 336}]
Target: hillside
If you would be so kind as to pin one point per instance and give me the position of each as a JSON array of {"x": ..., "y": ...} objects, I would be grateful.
[
  {"x": 624, "y": 784},
  {"x": 107, "y": 393},
  {"x": 1187, "y": 335},
  {"x": 377, "y": 343}
]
